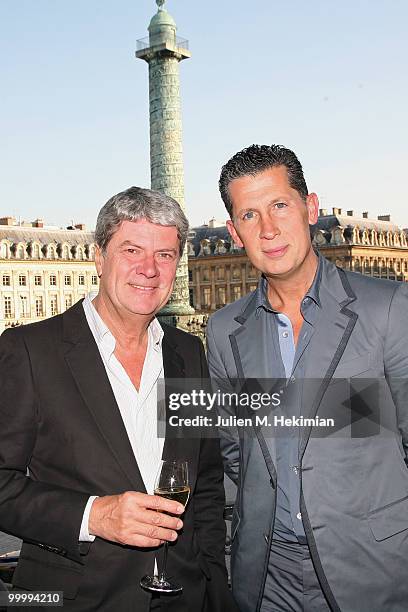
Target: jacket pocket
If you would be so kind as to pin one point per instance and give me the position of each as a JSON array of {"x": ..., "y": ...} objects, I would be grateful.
[
  {"x": 40, "y": 570},
  {"x": 352, "y": 367},
  {"x": 389, "y": 520}
]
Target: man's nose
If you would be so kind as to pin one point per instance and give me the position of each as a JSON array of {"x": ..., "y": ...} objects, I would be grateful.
[
  {"x": 268, "y": 227},
  {"x": 147, "y": 266}
]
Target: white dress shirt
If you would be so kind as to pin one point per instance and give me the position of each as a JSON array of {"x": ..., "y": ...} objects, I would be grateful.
[{"x": 138, "y": 408}]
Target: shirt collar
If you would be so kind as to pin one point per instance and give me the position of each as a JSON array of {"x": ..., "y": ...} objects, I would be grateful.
[
  {"x": 261, "y": 295},
  {"x": 104, "y": 336},
  {"x": 156, "y": 334}
]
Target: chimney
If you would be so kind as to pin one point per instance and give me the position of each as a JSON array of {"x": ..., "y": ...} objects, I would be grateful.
[
  {"x": 7, "y": 221},
  {"x": 384, "y": 217},
  {"x": 80, "y": 226},
  {"x": 322, "y": 212},
  {"x": 336, "y": 211},
  {"x": 350, "y": 213},
  {"x": 38, "y": 223},
  {"x": 365, "y": 214}
]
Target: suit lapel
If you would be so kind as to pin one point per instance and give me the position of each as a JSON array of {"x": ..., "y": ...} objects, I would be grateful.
[
  {"x": 174, "y": 368},
  {"x": 253, "y": 361},
  {"x": 332, "y": 333},
  {"x": 84, "y": 361},
  {"x": 250, "y": 344}
]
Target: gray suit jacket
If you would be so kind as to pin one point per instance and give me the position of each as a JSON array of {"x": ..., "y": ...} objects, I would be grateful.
[{"x": 354, "y": 482}]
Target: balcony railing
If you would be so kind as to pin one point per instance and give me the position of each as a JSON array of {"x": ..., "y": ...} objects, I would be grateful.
[{"x": 144, "y": 43}]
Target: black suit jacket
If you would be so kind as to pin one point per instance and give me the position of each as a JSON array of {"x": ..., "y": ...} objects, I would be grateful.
[{"x": 59, "y": 419}]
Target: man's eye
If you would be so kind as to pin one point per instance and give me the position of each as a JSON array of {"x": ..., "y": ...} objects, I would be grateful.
[
  {"x": 168, "y": 256},
  {"x": 249, "y": 215},
  {"x": 280, "y": 205},
  {"x": 129, "y": 250}
]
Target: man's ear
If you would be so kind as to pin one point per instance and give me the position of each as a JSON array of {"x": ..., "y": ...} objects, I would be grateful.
[
  {"x": 234, "y": 234},
  {"x": 99, "y": 261},
  {"x": 312, "y": 203}
]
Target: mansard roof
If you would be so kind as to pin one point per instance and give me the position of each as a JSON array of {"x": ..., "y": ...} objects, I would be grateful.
[
  {"x": 16, "y": 233},
  {"x": 328, "y": 222}
]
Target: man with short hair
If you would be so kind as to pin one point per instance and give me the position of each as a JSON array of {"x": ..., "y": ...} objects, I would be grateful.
[
  {"x": 79, "y": 450},
  {"x": 321, "y": 517}
]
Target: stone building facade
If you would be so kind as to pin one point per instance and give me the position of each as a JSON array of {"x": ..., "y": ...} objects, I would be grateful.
[
  {"x": 43, "y": 270},
  {"x": 220, "y": 272},
  {"x": 376, "y": 247}
]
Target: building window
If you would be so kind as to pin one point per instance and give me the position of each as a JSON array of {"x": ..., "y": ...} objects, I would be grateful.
[
  {"x": 53, "y": 280},
  {"x": 190, "y": 276},
  {"x": 21, "y": 252},
  {"x": 236, "y": 292},
  {"x": 37, "y": 280},
  {"x": 6, "y": 280},
  {"x": 220, "y": 273},
  {"x": 206, "y": 297},
  {"x": 221, "y": 296},
  {"x": 252, "y": 272},
  {"x": 80, "y": 254},
  {"x": 367, "y": 267},
  {"x": 65, "y": 252},
  {"x": 81, "y": 279},
  {"x": 8, "y": 312},
  {"x": 94, "y": 279},
  {"x": 206, "y": 274},
  {"x": 39, "y": 306},
  {"x": 35, "y": 251},
  {"x": 22, "y": 280},
  {"x": 3, "y": 250},
  {"x": 52, "y": 253},
  {"x": 24, "y": 306},
  {"x": 68, "y": 301},
  {"x": 53, "y": 305},
  {"x": 236, "y": 272},
  {"x": 67, "y": 279}
]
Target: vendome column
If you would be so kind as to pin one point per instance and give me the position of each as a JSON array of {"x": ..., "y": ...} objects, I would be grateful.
[{"x": 163, "y": 51}]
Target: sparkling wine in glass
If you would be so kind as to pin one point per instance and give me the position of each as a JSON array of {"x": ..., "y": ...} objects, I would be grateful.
[{"x": 171, "y": 483}]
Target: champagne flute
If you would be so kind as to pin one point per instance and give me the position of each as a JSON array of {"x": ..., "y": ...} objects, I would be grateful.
[{"x": 171, "y": 483}]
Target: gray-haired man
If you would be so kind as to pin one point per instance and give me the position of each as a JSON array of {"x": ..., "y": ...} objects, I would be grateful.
[{"x": 78, "y": 415}]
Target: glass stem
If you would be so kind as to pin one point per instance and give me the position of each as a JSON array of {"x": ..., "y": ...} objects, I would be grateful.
[{"x": 163, "y": 571}]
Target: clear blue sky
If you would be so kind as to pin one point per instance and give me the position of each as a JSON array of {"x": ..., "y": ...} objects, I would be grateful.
[{"x": 326, "y": 78}]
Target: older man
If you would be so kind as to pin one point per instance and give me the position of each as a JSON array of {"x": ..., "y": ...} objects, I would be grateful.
[
  {"x": 321, "y": 519},
  {"x": 78, "y": 422}
]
